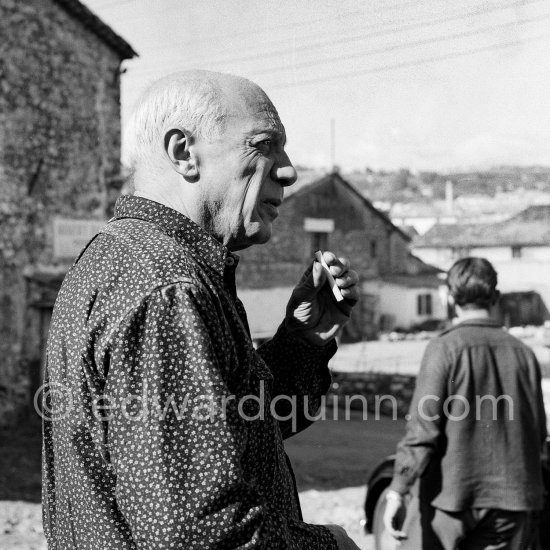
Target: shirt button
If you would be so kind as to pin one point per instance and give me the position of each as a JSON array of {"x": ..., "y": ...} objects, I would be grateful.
[{"x": 229, "y": 261}]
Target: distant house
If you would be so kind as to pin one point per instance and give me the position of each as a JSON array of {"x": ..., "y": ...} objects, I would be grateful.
[
  {"x": 519, "y": 248},
  {"x": 478, "y": 208},
  {"x": 327, "y": 212},
  {"x": 407, "y": 299},
  {"x": 422, "y": 216},
  {"x": 59, "y": 161}
]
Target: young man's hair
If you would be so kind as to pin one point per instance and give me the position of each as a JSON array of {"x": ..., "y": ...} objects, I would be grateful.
[{"x": 472, "y": 283}]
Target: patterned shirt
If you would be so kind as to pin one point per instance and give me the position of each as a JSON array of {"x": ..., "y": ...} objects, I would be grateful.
[{"x": 163, "y": 425}]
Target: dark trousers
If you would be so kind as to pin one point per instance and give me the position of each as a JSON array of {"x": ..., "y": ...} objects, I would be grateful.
[{"x": 479, "y": 529}]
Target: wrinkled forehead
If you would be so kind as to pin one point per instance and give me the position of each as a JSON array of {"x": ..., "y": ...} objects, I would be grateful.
[{"x": 247, "y": 101}]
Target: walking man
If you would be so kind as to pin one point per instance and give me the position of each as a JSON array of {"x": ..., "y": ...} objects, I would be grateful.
[{"x": 476, "y": 429}]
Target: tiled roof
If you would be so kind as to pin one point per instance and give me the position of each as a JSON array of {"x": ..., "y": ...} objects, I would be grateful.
[
  {"x": 306, "y": 179},
  {"x": 98, "y": 27},
  {"x": 414, "y": 281},
  {"x": 537, "y": 212},
  {"x": 531, "y": 227},
  {"x": 426, "y": 209}
]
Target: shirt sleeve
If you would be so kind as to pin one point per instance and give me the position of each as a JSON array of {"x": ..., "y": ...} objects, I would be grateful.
[
  {"x": 179, "y": 477},
  {"x": 426, "y": 419},
  {"x": 300, "y": 378}
]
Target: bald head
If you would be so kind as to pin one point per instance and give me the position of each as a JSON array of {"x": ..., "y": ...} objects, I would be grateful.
[
  {"x": 198, "y": 101},
  {"x": 212, "y": 147}
]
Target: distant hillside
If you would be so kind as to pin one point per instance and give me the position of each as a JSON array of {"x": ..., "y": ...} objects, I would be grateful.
[{"x": 403, "y": 185}]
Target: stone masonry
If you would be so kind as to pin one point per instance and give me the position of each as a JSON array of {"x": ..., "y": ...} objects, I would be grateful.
[{"x": 59, "y": 150}]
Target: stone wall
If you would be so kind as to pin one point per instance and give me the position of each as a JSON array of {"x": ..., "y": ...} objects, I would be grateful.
[
  {"x": 372, "y": 392},
  {"x": 59, "y": 147}
]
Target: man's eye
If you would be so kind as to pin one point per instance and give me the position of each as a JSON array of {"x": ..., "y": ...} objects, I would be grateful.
[{"x": 264, "y": 145}]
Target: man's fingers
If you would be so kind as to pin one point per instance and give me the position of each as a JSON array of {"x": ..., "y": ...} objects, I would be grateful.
[
  {"x": 350, "y": 294},
  {"x": 346, "y": 278},
  {"x": 337, "y": 266},
  {"x": 348, "y": 286},
  {"x": 318, "y": 275},
  {"x": 396, "y": 534},
  {"x": 391, "y": 515},
  {"x": 350, "y": 278},
  {"x": 314, "y": 276}
]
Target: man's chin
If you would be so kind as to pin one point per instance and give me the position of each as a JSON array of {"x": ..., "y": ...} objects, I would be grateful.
[{"x": 261, "y": 236}]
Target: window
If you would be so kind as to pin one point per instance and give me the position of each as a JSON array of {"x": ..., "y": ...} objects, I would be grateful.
[
  {"x": 424, "y": 304},
  {"x": 372, "y": 249},
  {"x": 516, "y": 252},
  {"x": 318, "y": 230}
]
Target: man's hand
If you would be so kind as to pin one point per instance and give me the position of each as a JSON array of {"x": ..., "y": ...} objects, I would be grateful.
[
  {"x": 312, "y": 312},
  {"x": 342, "y": 539},
  {"x": 394, "y": 515}
]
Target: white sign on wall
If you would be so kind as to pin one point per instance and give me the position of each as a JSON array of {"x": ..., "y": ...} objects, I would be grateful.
[
  {"x": 319, "y": 225},
  {"x": 70, "y": 236}
]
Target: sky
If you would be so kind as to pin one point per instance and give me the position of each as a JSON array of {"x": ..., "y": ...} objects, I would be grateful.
[{"x": 418, "y": 84}]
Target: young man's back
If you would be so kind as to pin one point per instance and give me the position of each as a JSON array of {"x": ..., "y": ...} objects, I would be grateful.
[
  {"x": 476, "y": 431},
  {"x": 485, "y": 386}
]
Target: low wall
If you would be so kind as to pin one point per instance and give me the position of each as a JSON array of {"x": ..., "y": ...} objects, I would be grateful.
[{"x": 388, "y": 394}]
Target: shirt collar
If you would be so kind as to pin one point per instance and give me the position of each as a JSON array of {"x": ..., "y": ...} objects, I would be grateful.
[
  {"x": 180, "y": 227},
  {"x": 475, "y": 322}
]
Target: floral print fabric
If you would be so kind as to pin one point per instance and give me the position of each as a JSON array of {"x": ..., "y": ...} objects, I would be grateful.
[{"x": 154, "y": 437}]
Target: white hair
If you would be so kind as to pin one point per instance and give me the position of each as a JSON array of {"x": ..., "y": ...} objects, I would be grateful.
[{"x": 192, "y": 100}]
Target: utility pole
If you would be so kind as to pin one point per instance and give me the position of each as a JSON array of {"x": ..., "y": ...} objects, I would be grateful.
[{"x": 332, "y": 145}]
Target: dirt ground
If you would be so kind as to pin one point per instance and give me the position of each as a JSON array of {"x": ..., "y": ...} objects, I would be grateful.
[
  {"x": 332, "y": 460},
  {"x": 21, "y": 522},
  {"x": 21, "y": 526}
]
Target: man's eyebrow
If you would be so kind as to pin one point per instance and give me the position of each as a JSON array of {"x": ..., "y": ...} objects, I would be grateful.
[{"x": 278, "y": 133}]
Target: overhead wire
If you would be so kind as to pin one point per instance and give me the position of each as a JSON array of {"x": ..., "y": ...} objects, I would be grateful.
[
  {"x": 341, "y": 15},
  {"x": 395, "y": 47},
  {"x": 410, "y": 64},
  {"x": 407, "y": 64},
  {"x": 405, "y": 45},
  {"x": 366, "y": 36}
]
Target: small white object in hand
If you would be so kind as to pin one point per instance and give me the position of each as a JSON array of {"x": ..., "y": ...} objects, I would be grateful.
[{"x": 330, "y": 278}]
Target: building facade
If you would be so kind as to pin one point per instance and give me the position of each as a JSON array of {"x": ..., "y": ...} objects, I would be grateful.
[
  {"x": 59, "y": 157},
  {"x": 519, "y": 249},
  {"x": 328, "y": 213}
]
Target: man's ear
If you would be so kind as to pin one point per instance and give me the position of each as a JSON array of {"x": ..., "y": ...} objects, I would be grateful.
[
  {"x": 451, "y": 306},
  {"x": 177, "y": 144}
]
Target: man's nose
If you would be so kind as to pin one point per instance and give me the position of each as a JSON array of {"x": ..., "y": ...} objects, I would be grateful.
[{"x": 283, "y": 171}]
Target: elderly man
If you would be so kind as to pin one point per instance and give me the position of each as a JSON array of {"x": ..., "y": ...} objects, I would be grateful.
[{"x": 171, "y": 432}]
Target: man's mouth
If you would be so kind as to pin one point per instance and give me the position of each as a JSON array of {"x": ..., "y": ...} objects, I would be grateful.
[
  {"x": 271, "y": 207},
  {"x": 274, "y": 202}
]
